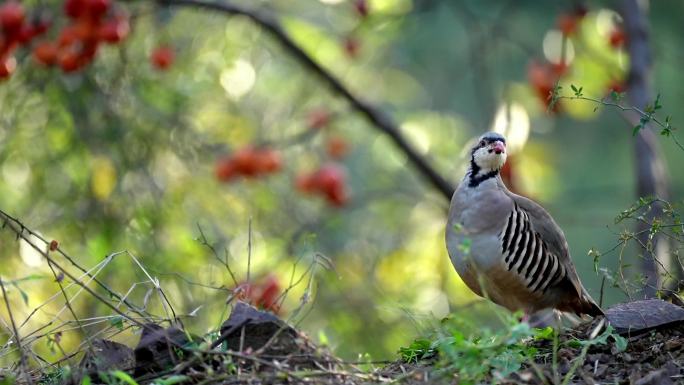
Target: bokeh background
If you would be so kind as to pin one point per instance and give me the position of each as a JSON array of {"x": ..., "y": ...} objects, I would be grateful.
[{"x": 122, "y": 156}]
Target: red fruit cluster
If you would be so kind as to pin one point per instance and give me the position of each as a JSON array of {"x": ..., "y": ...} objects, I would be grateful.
[
  {"x": 352, "y": 46},
  {"x": 617, "y": 86},
  {"x": 328, "y": 181},
  {"x": 162, "y": 57},
  {"x": 248, "y": 162},
  {"x": 617, "y": 37},
  {"x": 568, "y": 22},
  {"x": 318, "y": 118},
  {"x": 543, "y": 78},
  {"x": 337, "y": 147},
  {"x": 16, "y": 31},
  {"x": 361, "y": 7},
  {"x": 92, "y": 22},
  {"x": 263, "y": 293}
]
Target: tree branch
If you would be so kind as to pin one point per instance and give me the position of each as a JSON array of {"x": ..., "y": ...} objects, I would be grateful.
[{"x": 375, "y": 116}]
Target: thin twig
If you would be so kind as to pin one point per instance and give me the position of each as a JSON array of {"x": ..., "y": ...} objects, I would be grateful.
[
  {"x": 18, "y": 229},
  {"x": 22, "y": 355},
  {"x": 204, "y": 241},
  {"x": 67, "y": 303},
  {"x": 7, "y": 219},
  {"x": 249, "y": 250},
  {"x": 640, "y": 112}
]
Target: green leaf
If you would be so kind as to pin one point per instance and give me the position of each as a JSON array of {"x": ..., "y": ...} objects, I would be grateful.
[
  {"x": 620, "y": 342},
  {"x": 637, "y": 128},
  {"x": 418, "y": 349},
  {"x": 171, "y": 380},
  {"x": 546, "y": 333},
  {"x": 577, "y": 91},
  {"x": 117, "y": 321},
  {"x": 656, "y": 104},
  {"x": 124, "y": 377},
  {"x": 23, "y": 294}
]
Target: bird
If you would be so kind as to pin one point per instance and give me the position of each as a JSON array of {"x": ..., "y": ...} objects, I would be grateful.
[{"x": 506, "y": 247}]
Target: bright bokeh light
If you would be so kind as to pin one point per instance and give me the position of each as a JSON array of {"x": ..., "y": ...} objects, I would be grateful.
[
  {"x": 606, "y": 20},
  {"x": 513, "y": 122},
  {"x": 239, "y": 79},
  {"x": 553, "y": 48},
  {"x": 16, "y": 173},
  {"x": 30, "y": 256},
  {"x": 385, "y": 154},
  {"x": 417, "y": 133},
  {"x": 103, "y": 177}
]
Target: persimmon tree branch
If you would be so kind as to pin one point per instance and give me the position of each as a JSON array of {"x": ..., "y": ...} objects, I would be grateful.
[{"x": 380, "y": 120}]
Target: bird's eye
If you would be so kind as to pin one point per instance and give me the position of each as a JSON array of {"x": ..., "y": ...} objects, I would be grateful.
[{"x": 482, "y": 143}]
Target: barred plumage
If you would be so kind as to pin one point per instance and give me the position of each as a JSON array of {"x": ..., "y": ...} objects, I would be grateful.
[
  {"x": 526, "y": 253},
  {"x": 517, "y": 255}
]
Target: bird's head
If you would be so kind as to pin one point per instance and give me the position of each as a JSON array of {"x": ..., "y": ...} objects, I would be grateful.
[{"x": 489, "y": 153}]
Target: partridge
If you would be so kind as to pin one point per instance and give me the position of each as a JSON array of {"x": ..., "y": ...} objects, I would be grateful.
[{"x": 506, "y": 247}]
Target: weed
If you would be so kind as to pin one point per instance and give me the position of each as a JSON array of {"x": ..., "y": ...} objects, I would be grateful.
[{"x": 477, "y": 353}]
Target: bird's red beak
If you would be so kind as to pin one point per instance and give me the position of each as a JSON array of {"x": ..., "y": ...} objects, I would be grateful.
[{"x": 499, "y": 147}]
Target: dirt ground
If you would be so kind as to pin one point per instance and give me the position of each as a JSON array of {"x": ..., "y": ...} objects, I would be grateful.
[
  {"x": 654, "y": 357},
  {"x": 261, "y": 349}
]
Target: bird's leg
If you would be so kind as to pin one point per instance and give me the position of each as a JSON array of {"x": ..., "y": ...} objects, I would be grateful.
[{"x": 557, "y": 316}]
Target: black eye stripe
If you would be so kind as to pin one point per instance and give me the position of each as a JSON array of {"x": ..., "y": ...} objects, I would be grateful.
[{"x": 493, "y": 139}]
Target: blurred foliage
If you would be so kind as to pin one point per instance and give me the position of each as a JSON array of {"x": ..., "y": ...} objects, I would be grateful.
[
  {"x": 120, "y": 156},
  {"x": 471, "y": 354}
]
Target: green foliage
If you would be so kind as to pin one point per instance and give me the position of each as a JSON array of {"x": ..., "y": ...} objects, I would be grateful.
[
  {"x": 117, "y": 377},
  {"x": 117, "y": 321},
  {"x": 646, "y": 116},
  {"x": 170, "y": 380},
  {"x": 120, "y": 157},
  {"x": 602, "y": 339},
  {"x": 576, "y": 90},
  {"x": 419, "y": 349},
  {"x": 8, "y": 380},
  {"x": 56, "y": 376},
  {"x": 474, "y": 353}
]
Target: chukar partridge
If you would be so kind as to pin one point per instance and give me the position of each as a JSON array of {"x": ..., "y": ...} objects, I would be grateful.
[{"x": 506, "y": 247}]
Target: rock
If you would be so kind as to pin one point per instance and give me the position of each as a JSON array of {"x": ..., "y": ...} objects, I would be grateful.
[
  {"x": 656, "y": 377},
  {"x": 673, "y": 344},
  {"x": 105, "y": 355},
  {"x": 640, "y": 316},
  {"x": 250, "y": 329},
  {"x": 159, "y": 348}
]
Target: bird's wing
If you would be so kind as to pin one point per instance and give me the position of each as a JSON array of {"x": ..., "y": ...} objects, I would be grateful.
[{"x": 551, "y": 234}]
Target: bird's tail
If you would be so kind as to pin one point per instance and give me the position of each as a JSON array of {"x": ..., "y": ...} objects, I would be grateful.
[{"x": 586, "y": 305}]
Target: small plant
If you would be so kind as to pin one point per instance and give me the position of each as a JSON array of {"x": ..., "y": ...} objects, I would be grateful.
[
  {"x": 53, "y": 377},
  {"x": 420, "y": 348},
  {"x": 476, "y": 354}
]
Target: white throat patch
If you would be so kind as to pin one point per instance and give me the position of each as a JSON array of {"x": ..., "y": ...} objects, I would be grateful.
[{"x": 489, "y": 161}]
